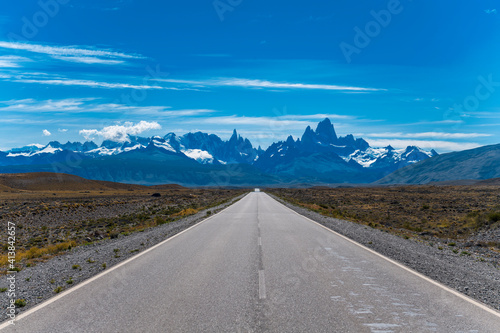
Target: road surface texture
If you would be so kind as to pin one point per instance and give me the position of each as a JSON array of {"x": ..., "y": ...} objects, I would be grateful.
[{"x": 258, "y": 267}]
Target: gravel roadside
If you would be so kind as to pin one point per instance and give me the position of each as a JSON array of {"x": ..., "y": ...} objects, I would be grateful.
[
  {"x": 38, "y": 283},
  {"x": 471, "y": 271}
]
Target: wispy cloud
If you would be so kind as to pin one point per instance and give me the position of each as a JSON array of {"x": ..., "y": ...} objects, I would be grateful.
[
  {"x": 32, "y": 105},
  {"x": 92, "y": 84},
  {"x": 261, "y": 84},
  {"x": 73, "y": 53},
  {"x": 436, "y": 135},
  {"x": 120, "y": 133},
  {"x": 93, "y": 105},
  {"x": 431, "y": 144},
  {"x": 482, "y": 115},
  {"x": 89, "y": 60},
  {"x": 438, "y": 122},
  {"x": 12, "y": 61}
]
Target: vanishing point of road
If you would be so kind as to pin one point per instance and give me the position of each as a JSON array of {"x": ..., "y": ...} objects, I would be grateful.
[{"x": 258, "y": 266}]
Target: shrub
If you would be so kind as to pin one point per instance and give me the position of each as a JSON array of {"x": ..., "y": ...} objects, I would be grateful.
[
  {"x": 494, "y": 217},
  {"x": 58, "y": 289},
  {"x": 20, "y": 303}
]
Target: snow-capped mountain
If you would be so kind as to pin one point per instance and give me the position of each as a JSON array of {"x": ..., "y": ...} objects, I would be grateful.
[
  {"x": 319, "y": 156},
  {"x": 322, "y": 155},
  {"x": 202, "y": 147}
]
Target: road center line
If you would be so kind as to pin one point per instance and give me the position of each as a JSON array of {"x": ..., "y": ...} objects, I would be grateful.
[{"x": 262, "y": 285}]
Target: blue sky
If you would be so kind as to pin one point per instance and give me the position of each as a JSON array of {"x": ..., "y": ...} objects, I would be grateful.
[{"x": 394, "y": 72}]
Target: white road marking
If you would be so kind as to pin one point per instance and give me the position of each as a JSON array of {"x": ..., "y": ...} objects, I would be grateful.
[
  {"x": 442, "y": 286},
  {"x": 262, "y": 285},
  {"x": 260, "y": 241},
  {"x": 84, "y": 283}
]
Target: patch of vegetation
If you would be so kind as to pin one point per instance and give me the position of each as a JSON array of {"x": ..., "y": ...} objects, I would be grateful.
[
  {"x": 58, "y": 289},
  {"x": 19, "y": 303},
  {"x": 2, "y": 290},
  {"x": 75, "y": 266},
  {"x": 447, "y": 212}
]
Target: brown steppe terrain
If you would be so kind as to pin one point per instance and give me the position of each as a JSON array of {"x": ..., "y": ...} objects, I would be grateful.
[
  {"x": 55, "y": 212},
  {"x": 462, "y": 213}
]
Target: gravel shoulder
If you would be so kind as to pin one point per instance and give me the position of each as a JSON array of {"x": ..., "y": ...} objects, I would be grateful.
[
  {"x": 38, "y": 283},
  {"x": 473, "y": 273}
]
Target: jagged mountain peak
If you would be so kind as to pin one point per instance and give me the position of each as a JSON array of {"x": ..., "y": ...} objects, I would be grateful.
[{"x": 325, "y": 132}]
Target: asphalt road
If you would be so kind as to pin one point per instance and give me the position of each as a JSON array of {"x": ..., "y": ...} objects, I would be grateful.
[{"x": 258, "y": 267}]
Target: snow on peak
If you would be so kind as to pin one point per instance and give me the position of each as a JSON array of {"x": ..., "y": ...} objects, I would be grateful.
[{"x": 201, "y": 156}]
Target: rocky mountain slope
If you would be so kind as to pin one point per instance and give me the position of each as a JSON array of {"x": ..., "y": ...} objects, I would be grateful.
[{"x": 478, "y": 163}]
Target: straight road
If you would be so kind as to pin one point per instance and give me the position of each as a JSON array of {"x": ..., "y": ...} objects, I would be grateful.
[{"x": 259, "y": 267}]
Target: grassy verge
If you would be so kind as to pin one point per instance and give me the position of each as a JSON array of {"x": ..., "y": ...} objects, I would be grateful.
[{"x": 450, "y": 212}]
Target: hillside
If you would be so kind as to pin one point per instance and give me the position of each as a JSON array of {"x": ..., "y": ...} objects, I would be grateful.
[
  {"x": 473, "y": 164},
  {"x": 47, "y": 181}
]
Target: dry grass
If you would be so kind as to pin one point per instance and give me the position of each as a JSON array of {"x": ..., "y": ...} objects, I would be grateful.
[
  {"x": 48, "y": 222},
  {"x": 35, "y": 252},
  {"x": 442, "y": 211}
]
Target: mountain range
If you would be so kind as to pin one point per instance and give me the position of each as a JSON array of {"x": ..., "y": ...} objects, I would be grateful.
[
  {"x": 472, "y": 164},
  {"x": 199, "y": 159}
]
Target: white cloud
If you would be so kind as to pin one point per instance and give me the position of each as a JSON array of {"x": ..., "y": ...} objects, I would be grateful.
[
  {"x": 72, "y": 53},
  {"x": 89, "y": 60},
  {"x": 62, "y": 130},
  {"x": 46, "y": 133},
  {"x": 438, "y": 122},
  {"x": 120, "y": 133},
  {"x": 436, "y": 135},
  {"x": 438, "y": 145},
  {"x": 32, "y": 105},
  {"x": 11, "y": 61},
  {"x": 252, "y": 83},
  {"x": 92, "y": 105},
  {"x": 92, "y": 84}
]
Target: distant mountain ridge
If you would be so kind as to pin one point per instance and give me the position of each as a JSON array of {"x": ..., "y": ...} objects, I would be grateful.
[
  {"x": 473, "y": 164},
  {"x": 194, "y": 159}
]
